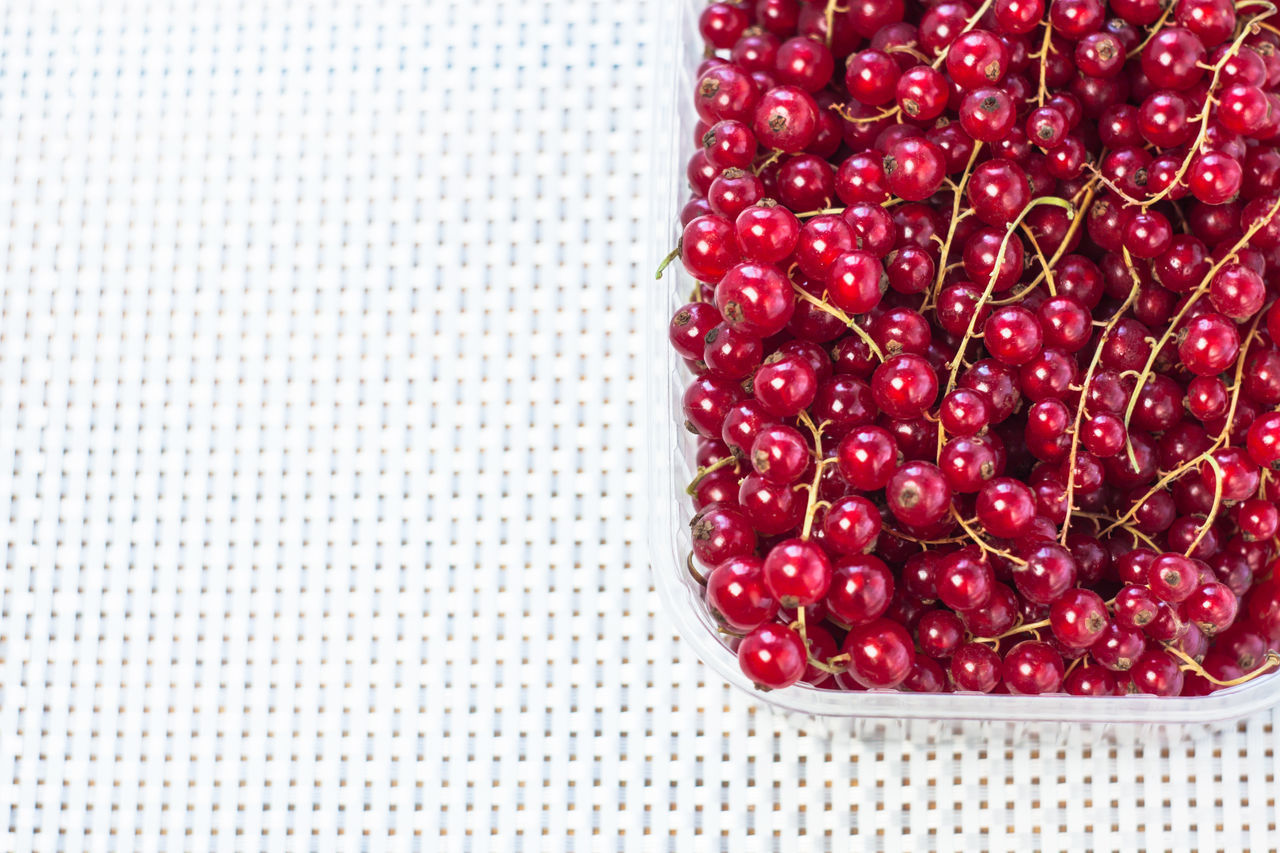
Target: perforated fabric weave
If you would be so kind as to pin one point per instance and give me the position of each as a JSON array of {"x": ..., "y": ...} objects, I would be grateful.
[{"x": 320, "y": 374}]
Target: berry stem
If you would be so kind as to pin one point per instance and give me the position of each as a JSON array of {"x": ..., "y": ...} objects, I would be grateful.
[
  {"x": 1223, "y": 437},
  {"x": 693, "y": 569},
  {"x": 671, "y": 256},
  {"x": 1205, "y": 113},
  {"x": 982, "y": 543},
  {"x": 1045, "y": 46},
  {"x": 1270, "y": 661},
  {"x": 827, "y": 307},
  {"x": 955, "y": 219},
  {"x": 1155, "y": 28},
  {"x": 811, "y": 506},
  {"x": 707, "y": 469},
  {"x": 1084, "y": 391},
  {"x": 1213, "y": 510},
  {"x": 1200, "y": 291},
  {"x": 990, "y": 288}
]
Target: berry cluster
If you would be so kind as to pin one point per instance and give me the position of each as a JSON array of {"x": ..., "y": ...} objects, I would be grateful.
[{"x": 985, "y": 347}]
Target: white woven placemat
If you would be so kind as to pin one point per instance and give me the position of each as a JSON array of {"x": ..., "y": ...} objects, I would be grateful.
[{"x": 320, "y": 426}]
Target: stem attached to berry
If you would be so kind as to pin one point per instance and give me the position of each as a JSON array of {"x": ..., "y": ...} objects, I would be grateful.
[
  {"x": 981, "y": 543},
  {"x": 1223, "y": 437},
  {"x": 1200, "y": 291},
  {"x": 707, "y": 469},
  {"x": 990, "y": 288},
  {"x": 811, "y": 506},
  {"x": 1084, "y": 391},
  {"x": 955, "y": 220},
  {"x": 1213, "y": 510},
  {"x": 671, "y": 256},
  {"x": 828, "y": 308},
  {"x": 1270, "y": 661},
  {"x": 1205, "y": 113}
]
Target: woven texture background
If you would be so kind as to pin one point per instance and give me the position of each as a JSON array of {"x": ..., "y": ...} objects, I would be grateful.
[{"x": 320, "y": 374}]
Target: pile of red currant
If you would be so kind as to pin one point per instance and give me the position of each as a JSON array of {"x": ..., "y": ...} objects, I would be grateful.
[{"x": 984, "y": 346}]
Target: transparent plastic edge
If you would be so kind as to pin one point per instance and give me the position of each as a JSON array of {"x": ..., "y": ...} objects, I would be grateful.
[{"x": 675, "y": 54}]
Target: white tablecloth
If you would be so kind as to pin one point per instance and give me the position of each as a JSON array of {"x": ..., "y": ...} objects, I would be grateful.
[{"x": 320, "y": 382}]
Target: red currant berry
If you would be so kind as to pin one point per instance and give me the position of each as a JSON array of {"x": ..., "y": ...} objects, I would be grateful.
[
  {"x": 861, "y": 589},
  {"x": 766, "y": 232},
  {"x": 720, "y": 533},
  {"x": 1156, "y": 672},
  {"x": 881, "y": 653},
  {"x": 918, "y": 494},
  {"x": 737, "y": 595},
  {"x": 779, "y": 454},
  {"x": 797, "y": 573},
  {"x": 940, "y": 633},
  {"x": 786, "y": 119},
  {"x": 975, "y": 668},
  {"x": 1032, "y": 667},
  {"x": 1078, "y": 618},
  {"x": 773, "y": 656}
]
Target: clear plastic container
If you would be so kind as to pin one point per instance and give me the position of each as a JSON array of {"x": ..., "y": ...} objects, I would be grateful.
[{"x": 669, "y": 468}]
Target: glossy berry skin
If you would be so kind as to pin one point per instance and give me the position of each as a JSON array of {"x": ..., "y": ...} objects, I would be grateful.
[
  {"x": 725, "y": 92},
  {"x": 708, "y": 248},
  {"x": 904, "y": 386},
  {"x": 975, "y": 668},
  {"x": 967, "y": 463},
  {"x": 689, "y": 326},
  {"x": 772, "y": 656},
  {"x": 1263, "y": 440},
  {"x": 988, "y": 114},
  {"x": 755, "y": 298},
  {"x": 1006, "y": 507},
  {"x": 780, "y": 454},
  {"x": 881, "y": 653},
  {"x": 1156, "y": 672},
  {"x": 1209, "y": 344},
  {"x": 1089, "y": 681},
  {"x": 1171, "y": 60},
  {"x": 737, "y": 595},
  {"x": 914, "y": 168},
  {"x": 771, "y": 509},
  {"x": 785, "y": 385},
  {"x": 797, "y": 573},
  {"x": 855, "y": 282},
  {"x": 965, "y": 580},
  {"x": 965, "y": 412},
  {"x": 1049, "y": 571},
  {"x": 998, "y": 190},
  {"x": 861, "y": 589},
  {"x": 1012, "y": 335},
  {"x": 1135, "y": 607},
  {"x": 1211, "y": 608},
  {"x": 719, "y": 533},
  {"x": 921, "y": 93},
  {"x": 1117, "y": 647},
  {"x": 977, "y": 58},
  {"x": 786, "y": 118},
  {"x": 766, "y": 232},
  {"x": 1078, "y": 618},
  {"x": 940, "y": 633},
  {"x": 851, "y": 524},
  {"x": 1172, "y": 577},
  {"x": 729, "y": 145},
  {"x": 871, "y": 77},
  {"x": 867, "y": 458},
  {"x": 917, "y": 494},
  {"x": 730, "y": 353},
  {"x": 1032, "y": 667}
]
